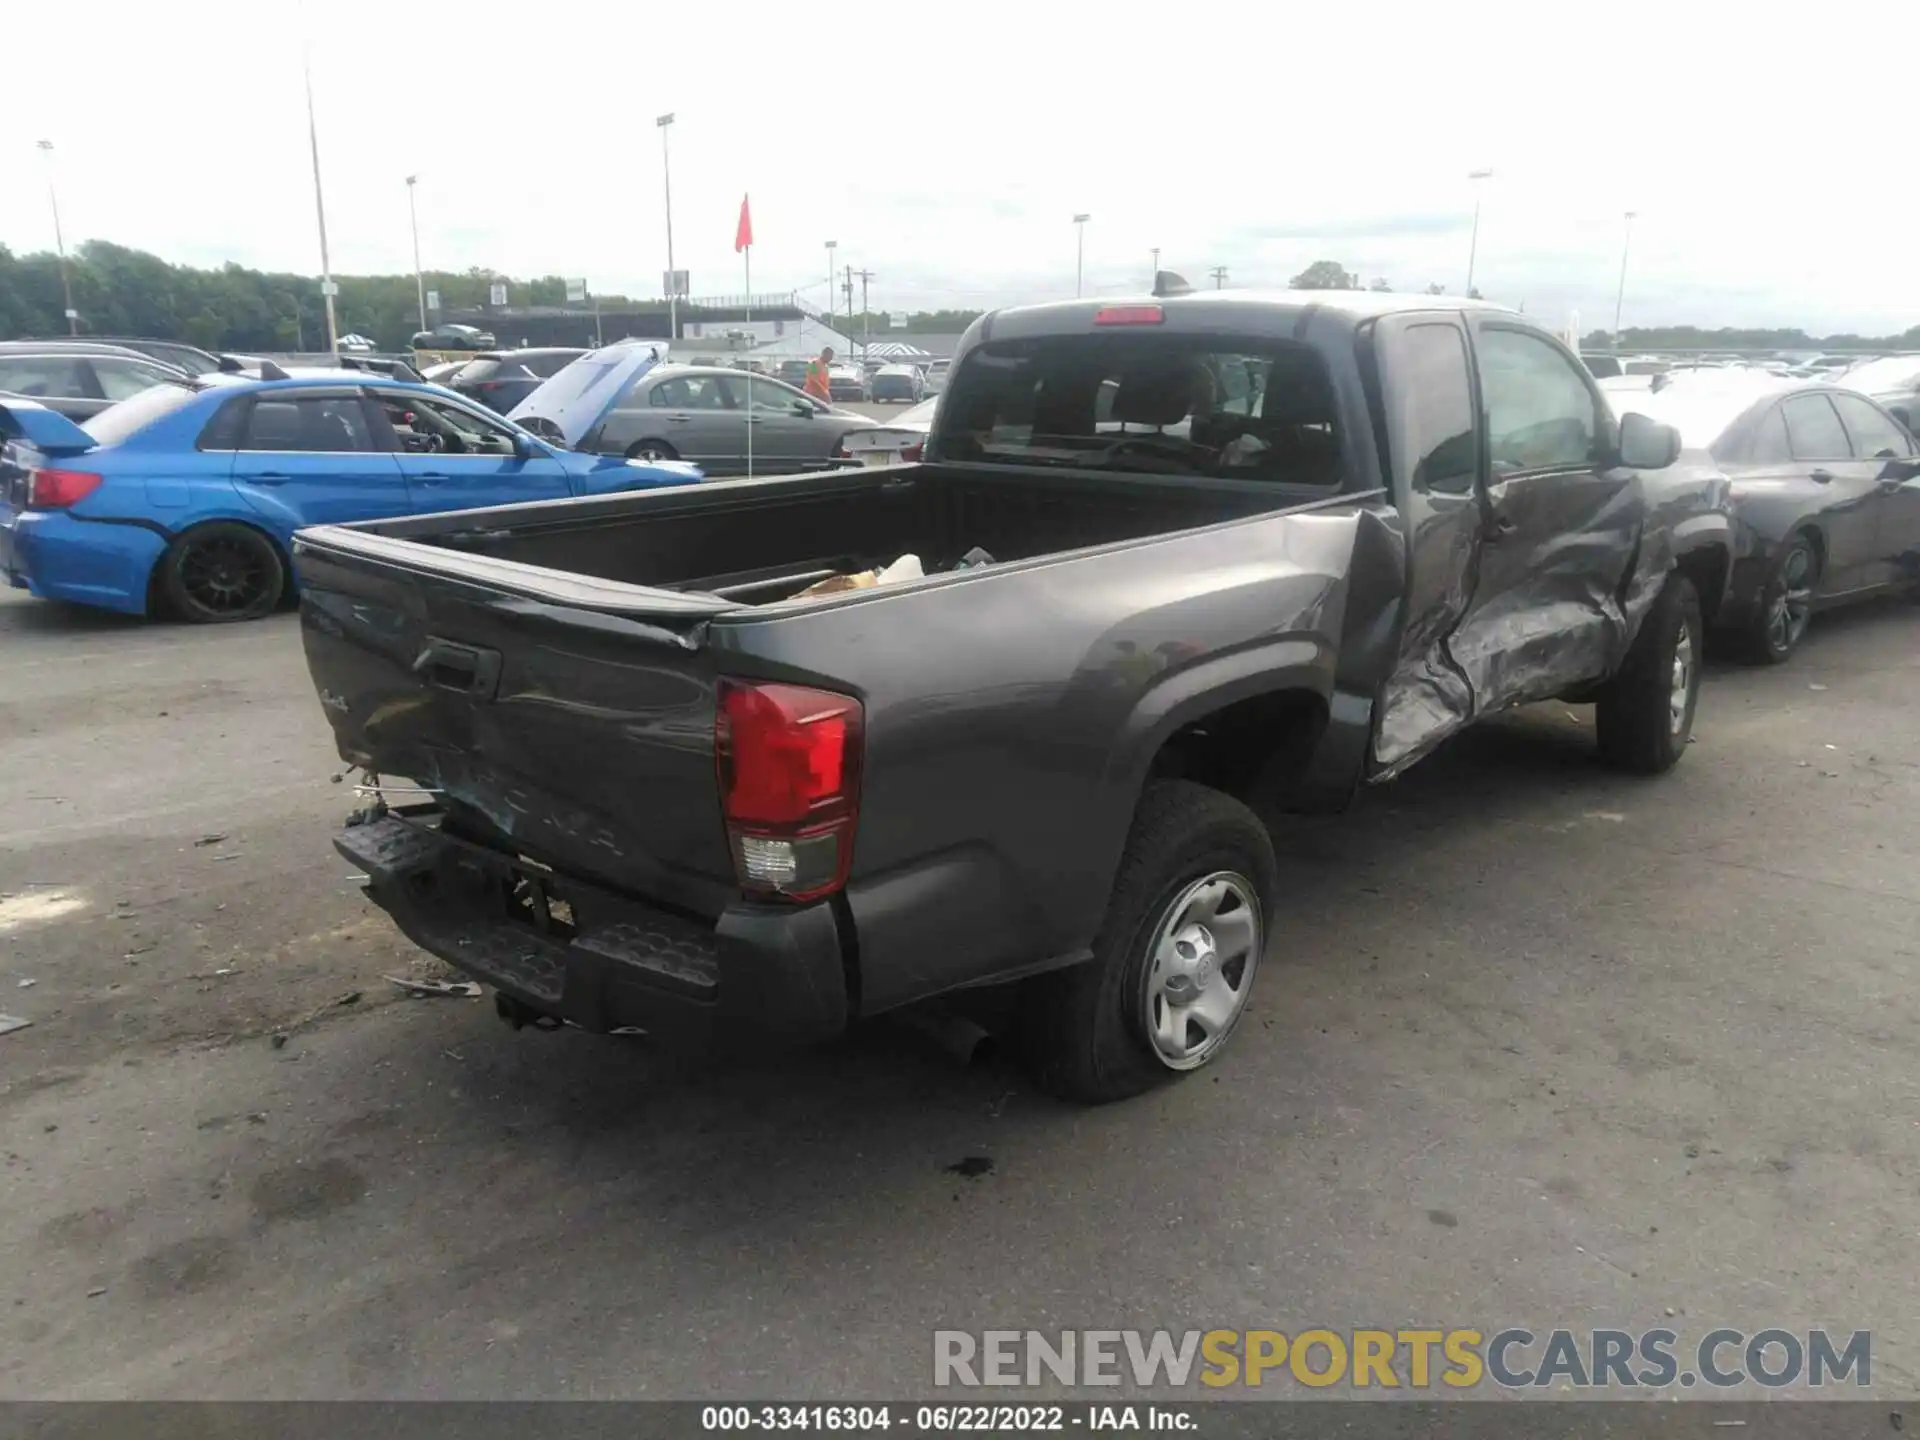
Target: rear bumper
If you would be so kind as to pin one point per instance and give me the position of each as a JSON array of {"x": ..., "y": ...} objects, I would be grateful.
[
  {"x": 602, "y": 961},
  {"x": 59, "y": 556}
]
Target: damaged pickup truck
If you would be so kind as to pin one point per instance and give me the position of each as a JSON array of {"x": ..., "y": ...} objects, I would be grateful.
[{"x": 1248, "y": 552}]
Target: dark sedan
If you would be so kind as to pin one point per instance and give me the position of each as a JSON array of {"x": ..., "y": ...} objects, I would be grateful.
[
  {"x": 501, "y": 379},
  {"x": 452, "y": 337},
  {"x": 1894, "y": 381},
  {"x": 700, "y": 413},
  {"x": 1825, "y": 497}
]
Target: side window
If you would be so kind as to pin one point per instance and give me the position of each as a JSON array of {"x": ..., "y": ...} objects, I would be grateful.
[
  {"x": 769, "y": 396},
  {"x": 123, "y": 379},
  {"x": 1813, "y": 430},
  {"x": 1540, "y": 413},
  {"x": 228, "y": 424},
  {"x": 1770, "y": 445},
  {"x": 1429, "y": 365},
  {"x": 313, "y": 423},
  {"x": 1875, "y": 436},
  {"x": 423, "y": 425},
  {"x": 47, "y": 377}
]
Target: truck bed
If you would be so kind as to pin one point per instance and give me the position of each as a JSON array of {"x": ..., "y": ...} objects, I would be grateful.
[{"x": 759, "y": 542}]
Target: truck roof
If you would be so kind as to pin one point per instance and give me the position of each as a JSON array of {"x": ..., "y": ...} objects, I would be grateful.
[{"x": 1241, "y": 306}]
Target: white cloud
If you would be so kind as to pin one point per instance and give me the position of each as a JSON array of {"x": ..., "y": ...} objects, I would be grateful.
[{"x": 1760, "y": 162}]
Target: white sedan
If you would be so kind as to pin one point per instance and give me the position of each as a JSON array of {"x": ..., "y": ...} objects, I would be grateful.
[{"x": 896, "y": 442}]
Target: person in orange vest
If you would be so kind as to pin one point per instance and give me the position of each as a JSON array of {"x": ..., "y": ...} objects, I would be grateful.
[{"x": 816, "y": 383}]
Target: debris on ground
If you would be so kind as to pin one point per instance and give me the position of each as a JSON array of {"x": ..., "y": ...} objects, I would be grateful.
[
  {"x": 420, "y": 989},
  {"x": 28, "y": 984},
  {"x": 1816, "y": 687},
  {"x": 352, "y": 997},
  {"x": 971, "y": 1167},
  {"x": 11, "y": 1023},
  {"x": 210, "y": 839}
]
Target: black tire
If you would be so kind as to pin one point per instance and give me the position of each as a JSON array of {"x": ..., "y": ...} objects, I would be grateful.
[
  {"x": 652, "y": 450},
  {"x": 222, "y": 572},
  {"x": 1084, "y": 1031},
  {"x": 1644, "y": 715},
  {"x": 1786, "y": 603}
]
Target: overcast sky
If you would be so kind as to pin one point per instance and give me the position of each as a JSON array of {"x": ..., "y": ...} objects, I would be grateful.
[{"x": 1767, "y": 159}]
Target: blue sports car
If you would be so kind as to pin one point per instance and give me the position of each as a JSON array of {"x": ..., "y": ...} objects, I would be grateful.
[{"x": 184, "y": 498}]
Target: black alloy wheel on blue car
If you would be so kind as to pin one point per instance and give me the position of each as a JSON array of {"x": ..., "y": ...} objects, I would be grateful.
[{"x": 221, "y": 572}]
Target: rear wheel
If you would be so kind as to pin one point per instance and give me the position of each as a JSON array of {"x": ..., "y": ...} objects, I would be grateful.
[
  {"x": 652, "y": 451},
  {"x": 1175, "y": 960},
  {"x": 1786, "y": 605},
  {"x": 221, "y": 572},
  {"x": 1644, "y": 715}
]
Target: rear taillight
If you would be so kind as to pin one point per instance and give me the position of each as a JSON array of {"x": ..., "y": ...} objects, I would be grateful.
[
  {"x": 57, "y": 489},
  {"x": 788, "y": 759},
  {"x": 914, "y": 451}
]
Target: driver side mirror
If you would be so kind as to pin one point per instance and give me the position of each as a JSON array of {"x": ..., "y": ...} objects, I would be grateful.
[
  {"x": 1899, "y": 471},
  {"x": 1902, "y": 413},
  {"x": 1647, "y": 444},
  {"x": 804, "y": 410},
  {"x": 524, "y": 447}
]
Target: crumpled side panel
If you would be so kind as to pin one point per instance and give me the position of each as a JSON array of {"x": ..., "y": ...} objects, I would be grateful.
[{"x": 1427, "y": 697}]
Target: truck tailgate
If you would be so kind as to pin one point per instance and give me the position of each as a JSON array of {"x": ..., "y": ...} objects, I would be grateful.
[{"x": 587, "y": 751}]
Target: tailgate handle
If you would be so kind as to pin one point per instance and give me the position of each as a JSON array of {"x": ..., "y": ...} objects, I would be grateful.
[{"x": 465, "y": 669}]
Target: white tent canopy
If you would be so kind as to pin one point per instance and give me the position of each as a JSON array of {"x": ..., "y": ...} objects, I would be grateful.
[{"x": 895, "y": 350}]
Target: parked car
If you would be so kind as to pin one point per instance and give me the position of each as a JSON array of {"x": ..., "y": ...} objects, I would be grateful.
[
  {"x": 453, "y": 337},
  {"x": 188, "y": 358},
  {"x": 1826, "y": 502},
  {"x": 1893, "y": 381},
  {"x": 1601, "y": 364},
  {"x": 501, "y": 379},
  {"x": 78, "y": 379},
  {"x": 356, "y": 345},
  {"x": 902, "y": 439},
  {"x": 895, "y": 382},
  {"x": 846, "y": 382},
  {"x": 691, "y": 412},
  {"x": 936, "y": 377},
  {"x": 187, "y": 495},
  {"x": 793, "y": 372},
  {"x": 1032, "y": 757}
]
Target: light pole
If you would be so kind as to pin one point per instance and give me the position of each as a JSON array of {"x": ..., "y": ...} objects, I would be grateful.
[
  {"x": 833, "y": 313},
  {"x": 320, "y": 210},
  {"x": 419, "y": 276},
  {"x": 1155, "y": 282},
  {"x": 1620, "y": 295},
  {"x": 665, "y": 122},
  {"x": 60, "y": 242},
  {"x": 1473, "y": 245},
  {"x": 1080, "y": 253}
]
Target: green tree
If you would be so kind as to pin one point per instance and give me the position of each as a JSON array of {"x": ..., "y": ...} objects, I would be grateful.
[{"x": 1325, "y": 275}]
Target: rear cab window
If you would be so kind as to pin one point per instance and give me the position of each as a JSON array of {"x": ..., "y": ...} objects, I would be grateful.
[{"x": 1174, "y": 404}]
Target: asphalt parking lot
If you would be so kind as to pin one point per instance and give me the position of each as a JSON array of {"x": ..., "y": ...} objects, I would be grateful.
[{"x": 1536, "y": 1044}]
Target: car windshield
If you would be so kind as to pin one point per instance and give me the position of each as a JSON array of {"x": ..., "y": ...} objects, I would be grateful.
[
  {"x": 115, "y": 423},
  {"x": 1896, "y": 372},
  {"x": 1156, "y": 403}
]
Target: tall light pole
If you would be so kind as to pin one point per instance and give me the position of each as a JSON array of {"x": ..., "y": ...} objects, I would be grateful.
[
  {"x": 665, "y": 122},
  {"x": 1473, "y": 245},
  {"x": 833, "y": 311},
  {"x": 60, "y": 242},
  {"x": 419, "y": 275},
  {"x": 1620, "y": 295},
  {"x": 1080, "y": 253},
  {"x": 327, "y": 286}
]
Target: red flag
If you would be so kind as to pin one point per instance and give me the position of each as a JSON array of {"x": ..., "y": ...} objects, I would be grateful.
[{"x": 743, "y": 232}]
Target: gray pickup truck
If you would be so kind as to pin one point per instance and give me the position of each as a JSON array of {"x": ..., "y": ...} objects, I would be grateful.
[{"x": 1187, "y": 560}]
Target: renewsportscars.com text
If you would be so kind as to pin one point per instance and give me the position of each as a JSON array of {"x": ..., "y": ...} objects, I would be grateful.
[{"x": 1458, "y": 1359}]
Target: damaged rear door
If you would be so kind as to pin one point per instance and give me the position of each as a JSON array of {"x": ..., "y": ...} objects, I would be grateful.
[{"x": 1520, "y": 528}]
